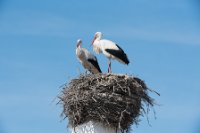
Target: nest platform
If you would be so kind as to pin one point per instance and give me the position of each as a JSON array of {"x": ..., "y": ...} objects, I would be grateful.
[{"x": 115, "y": 100}]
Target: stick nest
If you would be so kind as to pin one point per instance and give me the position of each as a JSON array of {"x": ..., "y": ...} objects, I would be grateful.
[{"x": 116, "y": 101}]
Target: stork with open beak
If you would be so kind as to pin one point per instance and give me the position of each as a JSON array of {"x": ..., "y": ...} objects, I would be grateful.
[
  {"x": 110, "y": 49},
  {"x": 88, "y": 60}
]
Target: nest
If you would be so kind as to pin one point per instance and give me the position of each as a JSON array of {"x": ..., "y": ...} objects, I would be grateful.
[{"x": 116, "y": 101}]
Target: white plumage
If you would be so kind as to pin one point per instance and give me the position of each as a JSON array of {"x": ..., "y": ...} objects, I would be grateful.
[
  {"x": 88, "y": 60},
  {"x": 110, "y": 49}
]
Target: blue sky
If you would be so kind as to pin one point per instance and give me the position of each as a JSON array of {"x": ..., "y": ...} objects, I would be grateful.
[{"x": 37, "y": 55}]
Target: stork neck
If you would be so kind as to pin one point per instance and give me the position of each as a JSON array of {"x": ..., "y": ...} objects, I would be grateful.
[
  {"x": 96, "y": 43},
  {"x": 78, "y": 46},
  {"x": 98, "y": 38}
]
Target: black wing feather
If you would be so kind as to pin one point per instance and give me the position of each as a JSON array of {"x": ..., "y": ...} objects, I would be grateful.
[
  {"x": 119, "y": 54},
  {"x": 95, "y": 64}
]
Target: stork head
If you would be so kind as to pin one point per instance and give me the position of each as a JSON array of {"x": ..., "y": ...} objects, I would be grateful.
[
  {"x": 79, "y": 42},
  {"x": 97, "y": 35}
]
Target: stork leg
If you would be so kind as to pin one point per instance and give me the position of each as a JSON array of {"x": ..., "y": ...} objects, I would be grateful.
[{"x": 109, "y": 67}]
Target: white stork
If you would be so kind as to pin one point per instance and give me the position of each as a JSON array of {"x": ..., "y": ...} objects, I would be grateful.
[
  {"x": 88, "y": 60},
  {"x": 110, "y": 49}
]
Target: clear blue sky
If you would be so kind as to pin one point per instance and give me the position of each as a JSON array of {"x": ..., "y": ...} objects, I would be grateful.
[{"x": 37, "y": 55}]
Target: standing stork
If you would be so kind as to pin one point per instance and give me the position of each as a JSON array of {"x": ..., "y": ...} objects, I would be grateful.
[
  {"x": 88, "y": 60},
  {"x": 110, "y": 49}
]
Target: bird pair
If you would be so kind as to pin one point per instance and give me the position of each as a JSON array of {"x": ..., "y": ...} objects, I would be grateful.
[{"x": 110, "y": 49}]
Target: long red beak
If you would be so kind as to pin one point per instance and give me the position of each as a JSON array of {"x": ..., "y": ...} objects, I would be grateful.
[{"x": 93, "y": 40}]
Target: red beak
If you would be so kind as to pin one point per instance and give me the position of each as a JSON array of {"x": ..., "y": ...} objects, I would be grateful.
[{"x": 93, "y": 40}]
